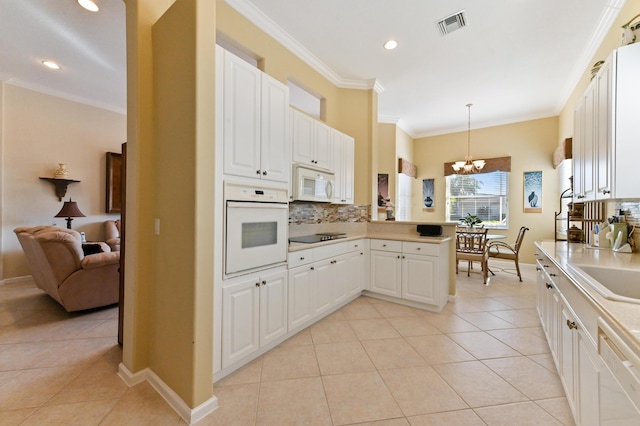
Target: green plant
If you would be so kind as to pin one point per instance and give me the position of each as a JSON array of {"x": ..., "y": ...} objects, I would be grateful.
[{"x": 471, "y": 220}]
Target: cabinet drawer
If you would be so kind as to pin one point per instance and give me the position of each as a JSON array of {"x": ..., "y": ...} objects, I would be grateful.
[
  {"x": 386, "y": 245},
  {"x": 421, "y": 248},
  {"x": 356, "y": 245},
  {"x": 300, "y": 257},
  {"x": 330, "y": 250}
]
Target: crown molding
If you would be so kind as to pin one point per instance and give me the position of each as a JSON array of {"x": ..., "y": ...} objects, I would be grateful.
[
  {"x": 607, "y": 18},
  {"x": 266, "y": 24}
]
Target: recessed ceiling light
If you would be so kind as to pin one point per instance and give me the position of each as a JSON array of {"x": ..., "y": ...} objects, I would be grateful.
[
  {"x": 390, "y": 45},
  {"x": 90, "y": 5},
  {"x": 51, "y": 64}
]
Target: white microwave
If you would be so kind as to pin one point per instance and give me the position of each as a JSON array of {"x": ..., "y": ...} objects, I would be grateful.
[{"x": 312, "y": 185}]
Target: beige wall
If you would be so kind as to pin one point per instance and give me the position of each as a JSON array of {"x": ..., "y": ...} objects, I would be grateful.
[
  {"x": 387, "y": 163},
  {"x": 529, "y": 144},
  {"x": 39, "y": 132}
]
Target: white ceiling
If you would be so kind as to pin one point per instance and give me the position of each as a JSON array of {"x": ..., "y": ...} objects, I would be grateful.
[
  {"x": 90, "y": 48},
  {"x": 516, "y": 60}
]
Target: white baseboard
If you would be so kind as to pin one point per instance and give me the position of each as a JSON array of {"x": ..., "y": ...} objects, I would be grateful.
[{"x": 188, "y": 414}]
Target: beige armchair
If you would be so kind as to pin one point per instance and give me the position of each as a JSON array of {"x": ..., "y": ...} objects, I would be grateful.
[
  {"x": 112, "y": 234},
  {"x": 59, "y": 267}
]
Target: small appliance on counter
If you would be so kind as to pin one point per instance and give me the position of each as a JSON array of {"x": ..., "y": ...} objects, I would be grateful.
[
  {"x": 429, "y": 230},
  {"x": 318, "y": 238}
]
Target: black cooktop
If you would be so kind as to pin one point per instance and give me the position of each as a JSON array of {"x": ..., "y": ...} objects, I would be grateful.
[{"x": 317, "y": 238}]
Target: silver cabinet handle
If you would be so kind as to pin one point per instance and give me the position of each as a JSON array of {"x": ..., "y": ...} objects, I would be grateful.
[
  {"x": 264, "y": 283},
  {"x": 264, "y": 173},
  {"x": 258, "y": 284},
  {"x": 572, "y": 325},
  {"x": 257, "y": 172}
]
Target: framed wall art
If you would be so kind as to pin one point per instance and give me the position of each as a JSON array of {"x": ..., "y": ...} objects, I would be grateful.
[
  {"x": 428, "y": 195},
  {"x": 114, "y": 180},
  {"x": 532, "y": 195},
  {"x": 383, "y": 190}
]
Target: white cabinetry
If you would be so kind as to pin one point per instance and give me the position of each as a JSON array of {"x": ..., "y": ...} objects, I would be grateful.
[
  {"x": 312, "y": 144},
  {"x": 410, "y": 271},
  {"x": 254, "y": 313},
  {"x": 570, "y": 323},
  {"x": 322, "y": 279},
  {"x": 255, "y": 122},
  {"x": 606, "y": 129},
  {"x": 343, "y": 164}
]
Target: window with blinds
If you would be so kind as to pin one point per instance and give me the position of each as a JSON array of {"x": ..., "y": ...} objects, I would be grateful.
[{"x": 485, "y": 195}]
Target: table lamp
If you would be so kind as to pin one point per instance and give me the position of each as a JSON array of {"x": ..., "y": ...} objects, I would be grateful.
[{"x": 69, "y": 211}]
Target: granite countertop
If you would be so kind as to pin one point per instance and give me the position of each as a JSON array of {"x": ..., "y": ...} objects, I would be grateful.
[{"x": 624, "y": 317}]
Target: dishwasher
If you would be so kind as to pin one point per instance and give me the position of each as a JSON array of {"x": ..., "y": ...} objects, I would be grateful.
[{"x": 619, "y": 380}]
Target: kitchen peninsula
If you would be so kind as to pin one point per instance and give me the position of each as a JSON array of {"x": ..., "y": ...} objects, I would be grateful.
[{"x": 386, "y": 260}]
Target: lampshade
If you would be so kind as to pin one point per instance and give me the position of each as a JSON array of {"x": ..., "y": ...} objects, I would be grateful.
[
  {"x": 69, "y": 210},
  {"x": 468, "y": 165}
]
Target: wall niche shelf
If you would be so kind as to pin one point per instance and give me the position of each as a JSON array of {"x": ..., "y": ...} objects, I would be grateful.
[{"x": 60, "y": 185}]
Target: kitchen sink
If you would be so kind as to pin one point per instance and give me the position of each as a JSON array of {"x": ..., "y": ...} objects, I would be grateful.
[{"x": 622, "y": 285}]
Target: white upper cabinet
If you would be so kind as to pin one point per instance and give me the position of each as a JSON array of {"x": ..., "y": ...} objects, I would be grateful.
[
  {"x": 256, "y": 122},
  {"x": 607, "y": 128},
  {"x": 312, "y": 143},
  {"x": 343, "y": 163}
]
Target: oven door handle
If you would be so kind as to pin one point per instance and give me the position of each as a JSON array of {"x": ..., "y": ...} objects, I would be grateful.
[{"x": 243, "y": 205}]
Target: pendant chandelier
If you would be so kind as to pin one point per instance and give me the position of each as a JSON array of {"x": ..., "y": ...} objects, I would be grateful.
[{"x": 468, "y": 165}]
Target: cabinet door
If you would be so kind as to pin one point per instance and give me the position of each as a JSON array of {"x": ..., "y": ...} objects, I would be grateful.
[
  {"x": 300, "y": 296},
  {"x": 355, "y": 283},
  {"x": 419, "y": 275},
  {"x": 578, "y": 142},
  {"x": 343, "y": 165},
  {"x": 604, "y": 132},
  {"x": 341, "y": 277},
  {"x": 302, "y": 138},
  {"x": 241, "y": 128},
  {"x": 348, "y": 149},
  {"x": 240, "y": 320},
  {"x": 275, "y": 151},
  {"x": 323, "y": 287},
  {"x": 567, "y": 354},
  {"x": 588, "y": 144},
  {"x": 588, "y": 377},
  {"x": 273, "y": 307},
  {"x": 338, "y": 167},
  {"x": 323, "y": 146},
  {"x": 386, "y": 273}
]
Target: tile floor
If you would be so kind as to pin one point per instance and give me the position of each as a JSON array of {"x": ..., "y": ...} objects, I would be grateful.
[{"x": 482, "y": 361}]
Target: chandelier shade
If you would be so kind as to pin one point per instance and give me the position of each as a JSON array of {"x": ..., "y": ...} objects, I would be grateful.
[{"x": 468, "y": 165}]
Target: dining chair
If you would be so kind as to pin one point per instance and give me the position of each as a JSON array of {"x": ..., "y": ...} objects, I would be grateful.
[
  {"x": 472, "y": 247},
  {"x": 502, "y": 250}
]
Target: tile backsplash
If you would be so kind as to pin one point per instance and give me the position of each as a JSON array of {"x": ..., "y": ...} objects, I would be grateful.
[{"x": 313, "y": 213}]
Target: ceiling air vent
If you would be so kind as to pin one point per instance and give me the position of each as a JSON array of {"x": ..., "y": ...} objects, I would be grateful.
[{"x": 452, "y": 23}]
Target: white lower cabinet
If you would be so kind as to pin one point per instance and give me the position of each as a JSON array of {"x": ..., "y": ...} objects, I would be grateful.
[
  {"x": 410, "y": 271},
  {"x": 386, "y": 273},
  {"x": 571, "y": 343},
  {"x": 300, "y": 296},
  {"x": 254, "y": 313},
  {"x": 322, "y": 279}
]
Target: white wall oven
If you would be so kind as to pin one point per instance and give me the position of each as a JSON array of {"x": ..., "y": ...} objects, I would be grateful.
[{"x": 256, "y": 227}]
